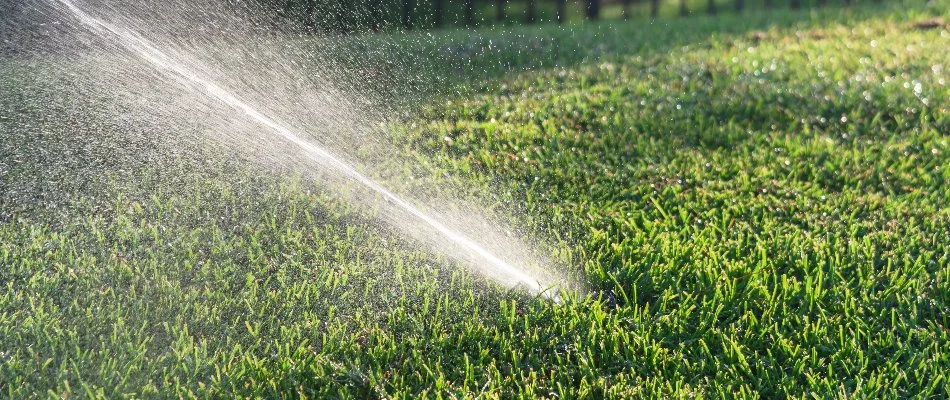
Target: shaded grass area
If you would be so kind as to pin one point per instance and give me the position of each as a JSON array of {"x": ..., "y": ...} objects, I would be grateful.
[
  {"x": 414, "y": 67},
  {"x": 757, "y": 213}
]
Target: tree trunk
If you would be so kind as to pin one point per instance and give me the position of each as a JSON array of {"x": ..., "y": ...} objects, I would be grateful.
[
  {"x": 500, "y": 6},
  {"x": 711, "y": 7},
  {"x": 795, "y": 4},
  {"x": 593, "y": 9},
  {"x": 768, "y": 4},
  {"x": 561, "y": 11},
  {"x": 654, "y": 8},
  {"x": 470, "y": 13},
  {"x": 532, "y": 12},
  {"x": 740, "y": 4},
  {"x": 342, "y": 25},
  {"x": 626, "y": 9},
  {"x": 438, "y": 12},
  {"x": 407, "y": 6},
  {"x": 684, "y": 10},
  {"x": 281, "y": 15},
  {"x": 376, "y": 15},
  {"x": 310, "y": 16}
]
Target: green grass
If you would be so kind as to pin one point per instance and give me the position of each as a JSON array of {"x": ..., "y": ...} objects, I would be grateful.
[{"x": 762, "y": 212}]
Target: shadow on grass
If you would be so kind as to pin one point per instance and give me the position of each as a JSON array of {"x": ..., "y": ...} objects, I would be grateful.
[{"x": 416, "y": 68}]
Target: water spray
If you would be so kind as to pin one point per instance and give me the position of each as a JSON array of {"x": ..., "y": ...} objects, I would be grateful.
[{"x": 485, "y": 260}]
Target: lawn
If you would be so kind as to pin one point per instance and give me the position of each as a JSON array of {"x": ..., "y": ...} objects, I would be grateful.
[{"x": 757, "y": 206}]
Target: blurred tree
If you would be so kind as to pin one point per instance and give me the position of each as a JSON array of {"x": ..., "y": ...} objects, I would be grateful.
[
  {"x": 532, "y": 12},
  {"x": 500, "y": 8},
  {"x": 310, "y": 16},
  {"x": 740, "y": 4},
  {"x": 280, "y": 12},
  {"x": 711, "y": 7},
  {"x": 438, "y": 12},
  {"x": 407, "y": 6},
  {"x": 684, "y": 9},
  {"x": 626, "y": 9},
  {"x": 592, "y": 9},
  {"x": 376, "y": 15},
  {"x": 654, "y": 8},
  {"x": 795, "y": 4},
  {"x": 470, "y": 13},
  {"x": 341, "y": 23},
  {"x": 561, "y": 11}
]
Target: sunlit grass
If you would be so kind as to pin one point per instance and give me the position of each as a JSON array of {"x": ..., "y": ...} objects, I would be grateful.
[{"x": 760, "y": 212}]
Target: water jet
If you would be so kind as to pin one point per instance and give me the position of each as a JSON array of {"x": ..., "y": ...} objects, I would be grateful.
[{"x": 462, "y": 247}]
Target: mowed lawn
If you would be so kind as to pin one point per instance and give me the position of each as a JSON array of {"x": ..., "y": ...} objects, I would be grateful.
[{"x": 755, "y": 213}]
